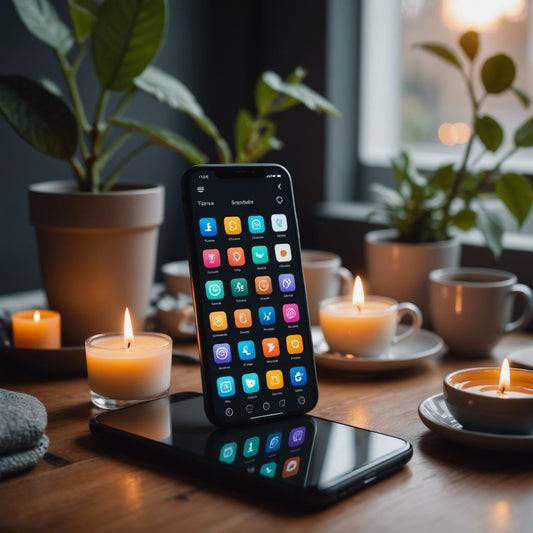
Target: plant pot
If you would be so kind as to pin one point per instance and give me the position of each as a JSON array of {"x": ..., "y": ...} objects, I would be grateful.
[
  {"x": 97, "y": 253},
  {"x": 401, "y": 270}
]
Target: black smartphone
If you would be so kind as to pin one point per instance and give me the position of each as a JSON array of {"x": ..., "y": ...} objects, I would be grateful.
[
  {"x": 252, "y": 320},
  {"x": 307, "y": 460}
]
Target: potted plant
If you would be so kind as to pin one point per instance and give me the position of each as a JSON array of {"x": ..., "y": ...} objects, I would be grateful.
[
  {"x": 97, "y": 240},
  {"x": 424, "y": 211}
]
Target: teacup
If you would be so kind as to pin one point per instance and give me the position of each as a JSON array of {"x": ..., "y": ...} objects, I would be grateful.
[
  {"x": 175, "y": 317},
  {"x": 471, "y": 308},
  {"x": 177, "y": 277},
  {"x": 324, "y": 278}
]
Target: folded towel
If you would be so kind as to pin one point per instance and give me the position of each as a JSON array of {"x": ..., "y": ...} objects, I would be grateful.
[{"x": 19, "y": 461}]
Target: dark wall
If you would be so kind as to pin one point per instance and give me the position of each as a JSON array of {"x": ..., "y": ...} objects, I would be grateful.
[{"x": 218, "y": 49}]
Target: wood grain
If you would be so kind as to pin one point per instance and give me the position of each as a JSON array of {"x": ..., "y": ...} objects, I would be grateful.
[{"x": 83, "y": 486}]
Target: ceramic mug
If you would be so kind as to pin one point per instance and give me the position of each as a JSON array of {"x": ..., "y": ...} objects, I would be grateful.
[
  {"x": 324, "y": 277},
  {"x": 177, "y": 277},
  {"x": 471, "y": 308}
]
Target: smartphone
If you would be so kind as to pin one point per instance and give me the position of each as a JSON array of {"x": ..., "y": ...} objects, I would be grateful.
[
  {"x": 305, "y": 460},
  {"x": 253, "y": 328}
]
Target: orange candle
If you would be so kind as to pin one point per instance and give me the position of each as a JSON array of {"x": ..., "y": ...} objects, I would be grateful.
[{"x": 36, "y": 329}]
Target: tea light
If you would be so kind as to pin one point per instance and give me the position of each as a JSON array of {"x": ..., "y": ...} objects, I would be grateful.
[
  {"x": 491, "y": 399},
  {"x": 356, "y": 325},
  {"x": 39, "y": 328},
  {"x": 125, "y": 368}
]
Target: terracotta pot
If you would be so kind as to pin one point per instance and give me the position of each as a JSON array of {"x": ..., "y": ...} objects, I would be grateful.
[
  {"x": 401, "y": 270},
  {"x": 97, "y": 253}
]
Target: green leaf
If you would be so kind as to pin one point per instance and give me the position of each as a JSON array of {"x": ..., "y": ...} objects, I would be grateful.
[
  {"x": 300, "y": 92},
  {"x": 262, "y": 143},
  {"x": 264, "y": 96},
  {"x": 490, "y": 132},
  {"x": 522, "y": 96},
  {"x": 243, "y": 126},
  {"x": 42, "y": 21},
  {"x": 516, "y": 193},
  {"x": 278, "y": 102},
  {"x": 386, "y": 196},
  {"x": 491, "y": 228},
  {"x": 400, "y": 165},
  {"x": 165, "y": 138},
  {"x": 498, "y": 73},
  {"x": 83, "y": 14},
  {"x": 51, "y": 86},
  {"x": 469, "y": 42},
  {"x": 464, "y": 219},
  {"x": 126, "y": 37},
  {"x": 523, "y": 137},
  {"x": 443, "y": 178},
  {"x": 38, "y": 116},
  {"x": 441, "y": 51}
]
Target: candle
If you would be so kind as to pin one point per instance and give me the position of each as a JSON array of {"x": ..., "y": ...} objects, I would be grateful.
[
  {"x": 127, "y": 368},
  {"x": 491, "y": 399},
  {"x": 36, "y": 329},
  {"x": 364, "y": 326}
]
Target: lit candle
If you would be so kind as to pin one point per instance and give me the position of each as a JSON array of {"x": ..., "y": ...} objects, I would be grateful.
[
  {"x": 36, "y": 329},
  {"x": 127, "y": 368},
  {"x": 363, "y": 326},
  {"x": 491, "y": 399}
]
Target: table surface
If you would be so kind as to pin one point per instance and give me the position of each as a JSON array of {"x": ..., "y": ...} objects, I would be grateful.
[{"x": 81, "y": 485}]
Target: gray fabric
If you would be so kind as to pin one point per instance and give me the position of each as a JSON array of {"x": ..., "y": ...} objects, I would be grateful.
[
  {"x": 13, "y": 462},
  {"x": 22, "y": 421}
]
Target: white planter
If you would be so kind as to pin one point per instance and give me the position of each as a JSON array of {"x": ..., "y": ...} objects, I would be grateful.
[
  {"x": 97, "y": 253},
  {"x": 401, "y": 270}
]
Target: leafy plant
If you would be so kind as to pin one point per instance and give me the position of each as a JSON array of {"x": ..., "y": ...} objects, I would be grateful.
[
  {"x": 124, "y": 37},
  {"x": 426, "y": 207}
]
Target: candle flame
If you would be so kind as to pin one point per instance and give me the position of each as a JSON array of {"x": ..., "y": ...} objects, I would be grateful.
[
  {"x": 358, "y": 298},
  {"x": 128, "y": 330},
  {"x": 36, "y": 316},
  {"x": 505, "y": 376}
]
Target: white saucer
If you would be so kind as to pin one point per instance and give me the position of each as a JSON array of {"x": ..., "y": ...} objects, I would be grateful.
[
  {"x": 406, "y": 354},
  {"x": 522, "y": 358},
  {"x": 435, "y": 415}
]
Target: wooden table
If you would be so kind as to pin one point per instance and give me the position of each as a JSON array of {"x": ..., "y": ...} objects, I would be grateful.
[{"x": 83, "y": 486}]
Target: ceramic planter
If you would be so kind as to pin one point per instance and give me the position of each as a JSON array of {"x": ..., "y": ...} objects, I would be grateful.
[
  {"x": 97, "y": 253},
  {"x": 401, "y": 270}
]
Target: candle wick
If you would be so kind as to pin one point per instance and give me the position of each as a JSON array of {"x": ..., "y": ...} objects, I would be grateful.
[
  {"x": 129, "y": 345},
  {"x": 359, "y": 307}
]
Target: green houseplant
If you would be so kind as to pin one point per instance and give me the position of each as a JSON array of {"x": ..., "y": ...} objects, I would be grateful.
[
  {"x": 90, "y": 275},
  {"x": 423, "y": 210}
]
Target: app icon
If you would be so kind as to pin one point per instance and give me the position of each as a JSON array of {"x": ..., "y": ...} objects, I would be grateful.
[
  {"x": 251, "y": 447},
  {"x": 225, "y": 386},
  {"x": 246, "y": 350},
  {"x": 294, "y": 344},
  {"x": 243, "y": 318},
  {"x": 259, "y": 255},
  {"x": 279, "y": 222},
  {"x": 250, "y": 383},
  {"x": 236, "y": 257},
  {"x": 273, "y": 442},
  {"x": 274, "y": 379},
  {"x": 256, "y": 224},
  {"x": 211, "y": 258},
  {"x": 208, "y": 227},
  {"x": 270, "y": 347},
  {"x": 228, "y": 452},
  {"x": 286, "y": 282},
  {"x": 283, "y": 253},
  {"x": 267, "y": 316},
  {"x": 291, "y": 467},
  {"x": 298, "y": 376},
  {"x": 218, "y": 320},
  {"x": 232, "y": 225},
  {"x": 291, "y": 313},
  {"x": 296, "y": 437},
  {"x": 263, "y": 285},
  {"x": 268, "y": 469},
  {"x": 214, "y": 290},
  {"x": 239, "y": 287},
  {"x": 222, "y": 353}
]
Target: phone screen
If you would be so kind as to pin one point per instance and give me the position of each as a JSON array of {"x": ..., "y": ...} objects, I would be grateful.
[
  {"x": 304, "y": 453},
  {"x": 251, "y": 311}
]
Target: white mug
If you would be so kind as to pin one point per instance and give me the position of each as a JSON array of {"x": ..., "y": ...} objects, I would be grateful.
[
  {"x": 471, "y": 308},
  {"x": 177, "y": 277}
]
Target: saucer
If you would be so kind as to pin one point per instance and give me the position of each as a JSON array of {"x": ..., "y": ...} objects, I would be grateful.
[
  {"x": 522, "y": 358},
  {"x": 435, "y": 415},
  {"x": 407, "y": 354}
]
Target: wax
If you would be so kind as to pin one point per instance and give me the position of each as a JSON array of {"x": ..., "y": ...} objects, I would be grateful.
[{"x": 36, "y": 329}]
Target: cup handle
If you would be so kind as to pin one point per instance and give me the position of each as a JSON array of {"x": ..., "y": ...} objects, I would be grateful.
[
  {"x": 524, "y": 292},
  {"x": 346, "y": 280},
  {"x": 412, "y": 310}
]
